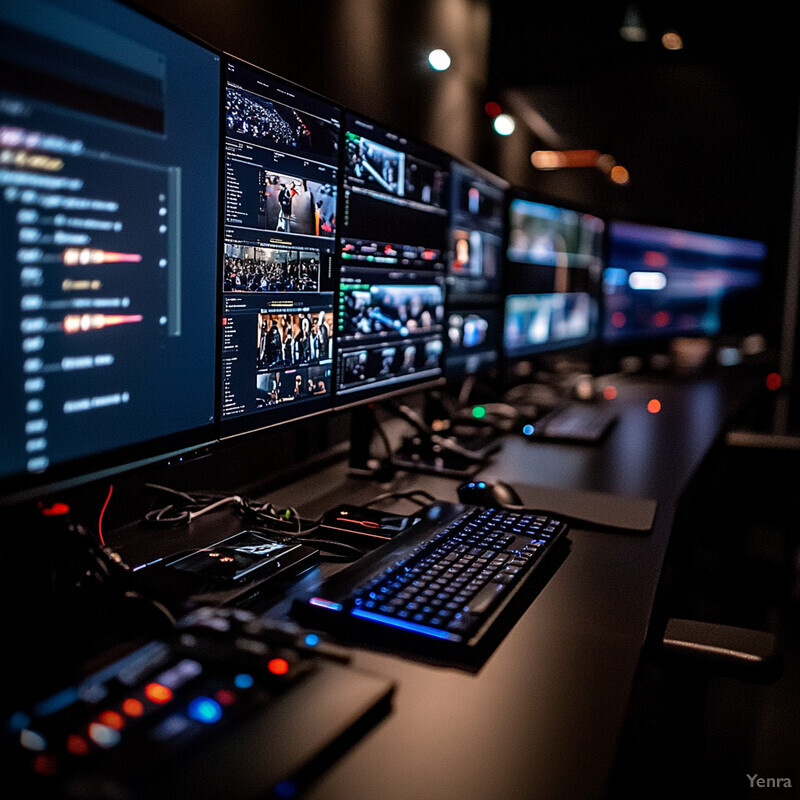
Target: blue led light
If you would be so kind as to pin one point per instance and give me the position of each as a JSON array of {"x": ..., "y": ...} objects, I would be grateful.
[
  {"x": 528, "y": 430},
  {"x": 204, "y": 709},
  {"x": 312, "y": 640},
  {"x": 404, "y": 624},
  {"x": 243, "y": 681},
  {"x": 18, "y": 721}
]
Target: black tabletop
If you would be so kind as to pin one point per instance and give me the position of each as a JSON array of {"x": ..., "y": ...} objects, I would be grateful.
[{"x": 544, "y": 714}]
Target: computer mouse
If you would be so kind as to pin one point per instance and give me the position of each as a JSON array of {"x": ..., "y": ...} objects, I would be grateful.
[{"x": 492, "y": 494}]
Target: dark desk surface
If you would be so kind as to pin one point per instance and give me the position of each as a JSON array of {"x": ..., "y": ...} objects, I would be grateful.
[{"x": 544, "y": 715}]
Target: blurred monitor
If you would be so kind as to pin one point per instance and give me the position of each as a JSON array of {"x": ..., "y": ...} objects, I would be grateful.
[
  {"x": 281, "y": 189},
  {"x": 393, "y": 249},
  {"x": 554, "y": 265},
  {"x": 474, "y": 270},
  {"x": 108, "y": 242},
  {"x": 663, "y": 282}
]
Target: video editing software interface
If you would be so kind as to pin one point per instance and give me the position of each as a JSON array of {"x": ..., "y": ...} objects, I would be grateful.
[
  {"x": 281, "y": 172},
  {"x": 108, "y": 226},
  {"x": 664, "y": 282},
  {"x": 553, "y": 272},
  {"x": 393, "y": 246},
  {"x": 474, "y": 270}
]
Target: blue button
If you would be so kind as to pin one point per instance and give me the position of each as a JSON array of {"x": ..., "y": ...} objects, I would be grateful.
[{"x": 206, "y": 710}]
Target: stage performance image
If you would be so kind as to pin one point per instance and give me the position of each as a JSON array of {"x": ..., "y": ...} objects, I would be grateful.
[
  {"x": 293, "y": 339},
  {"x": 296, "y": 205},
  {"x": 274, "y": 388}
]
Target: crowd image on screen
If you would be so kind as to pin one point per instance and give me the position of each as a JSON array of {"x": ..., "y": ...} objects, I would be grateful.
[
  {"x": 263, "y": 269},
  {"x": 396, "y": 310},
  {"x": 277, "y": 125}
]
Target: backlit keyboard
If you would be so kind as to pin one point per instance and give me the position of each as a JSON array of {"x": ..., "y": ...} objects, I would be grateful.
[
  {"x": 576, "y": 422},
  {"x": 441, "y": 589}
]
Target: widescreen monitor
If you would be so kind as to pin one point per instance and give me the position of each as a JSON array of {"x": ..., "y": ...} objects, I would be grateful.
[
  {"x": 279, "y": 234},
  {"x": 664, "y": 282},
  {"x": 474, "y": 271},
  {"x": 553, "y": 269},
  {"x": 109, "y": 139},
  {"x": 393, "y": 258}
]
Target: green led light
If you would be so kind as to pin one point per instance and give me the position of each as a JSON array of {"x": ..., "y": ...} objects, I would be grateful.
[{"x": 479, "y": 412}]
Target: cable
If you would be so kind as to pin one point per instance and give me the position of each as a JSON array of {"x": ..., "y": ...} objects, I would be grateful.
[
  {"x": 268, "y": 512},
  {"x": 102, "y": 514},
  {"x": 283, "y": 521},
  {"x": 194, "y": 506},
  {"x": 442, "y": 442}
]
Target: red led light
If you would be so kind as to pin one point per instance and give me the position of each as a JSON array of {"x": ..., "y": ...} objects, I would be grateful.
[
  {"x": 610, "y": 392},
  {"x": 492, "y": 108},
  {"x": 77, "y": 745},
  {"x": 654, "y": 406},
  {"x": 278, "y": 666},
  {"x": 55, "y": 510},
  {"x": 133, "y": 707},
  {"x": 44, "y": 765},
  {"x": 158, "y": 693},
  {"x": 774, "y": 381},
  {"x": 655, "y": 259},
  {"x": 225, "y": 697},
  {"x": 661, "y": 319},
  {"x": 112, "y": 719},
  {"x": 618, "y": 319}
]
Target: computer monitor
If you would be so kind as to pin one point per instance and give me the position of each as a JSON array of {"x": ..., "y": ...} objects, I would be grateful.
[
  {"x": 393, "y": 245},
  {"x": 279, "y": 234},
  {"x": 474, "y": 271},
  {"x": 664, "y": 282},
  {"x": 108, "y": 241},
  {"x": 554, "y": 264}
]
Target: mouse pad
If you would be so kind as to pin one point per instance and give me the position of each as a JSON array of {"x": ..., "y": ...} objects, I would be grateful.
[{"x": 598, "y": 508}]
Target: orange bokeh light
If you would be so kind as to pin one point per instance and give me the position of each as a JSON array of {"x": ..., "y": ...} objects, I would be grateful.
[{"x": 158, "y": 693}]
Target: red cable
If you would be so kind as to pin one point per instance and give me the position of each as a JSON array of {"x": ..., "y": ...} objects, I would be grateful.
[{"x": 102, "y": 512}]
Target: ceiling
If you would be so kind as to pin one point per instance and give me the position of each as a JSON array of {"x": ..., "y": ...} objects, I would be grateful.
[{"x": 707, "y": 132}]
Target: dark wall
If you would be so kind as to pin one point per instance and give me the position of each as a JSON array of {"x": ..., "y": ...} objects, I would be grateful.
[{"x": 368, "y": 55}]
